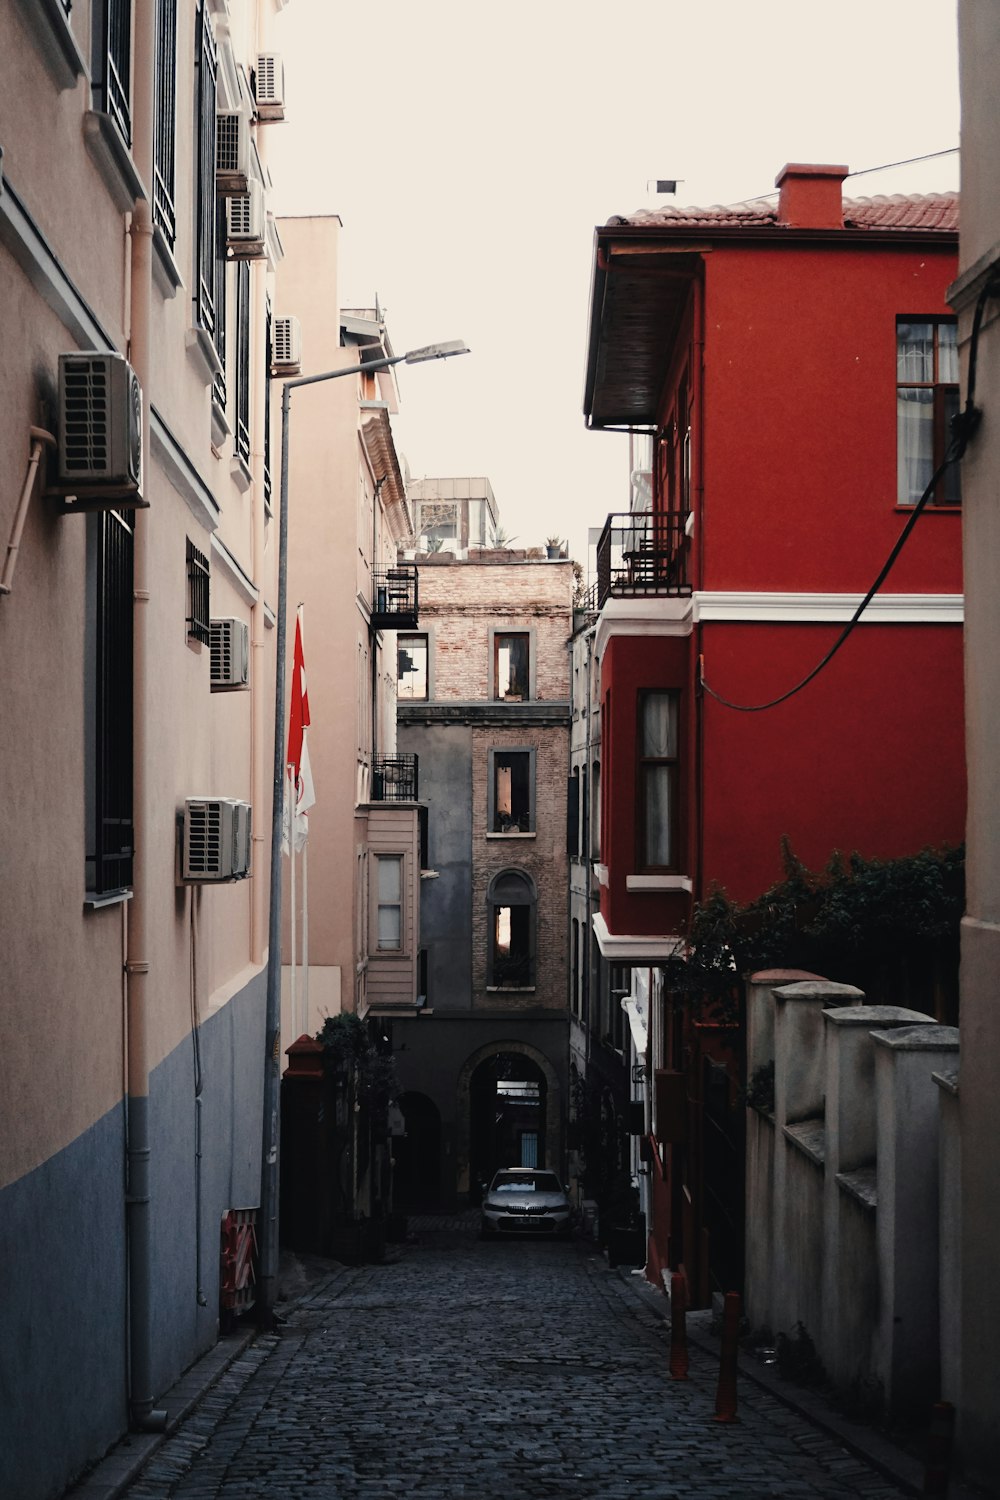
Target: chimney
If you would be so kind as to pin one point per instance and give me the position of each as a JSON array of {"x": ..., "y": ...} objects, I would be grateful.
[{"x": 810, "y": 197}]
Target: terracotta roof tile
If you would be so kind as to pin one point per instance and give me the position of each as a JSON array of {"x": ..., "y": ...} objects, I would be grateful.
[{"x": 916, "y": 211}]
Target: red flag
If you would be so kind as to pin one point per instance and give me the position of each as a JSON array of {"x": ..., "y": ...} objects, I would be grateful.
[{"x": 297, "y": 758}]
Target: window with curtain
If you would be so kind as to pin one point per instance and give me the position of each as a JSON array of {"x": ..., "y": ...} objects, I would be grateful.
[
  {"x": 927, "y": 397},
  {"x": 658, "y": 716}
]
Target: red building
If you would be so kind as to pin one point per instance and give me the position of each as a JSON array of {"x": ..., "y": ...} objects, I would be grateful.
[{"x": 787, "y": 370}]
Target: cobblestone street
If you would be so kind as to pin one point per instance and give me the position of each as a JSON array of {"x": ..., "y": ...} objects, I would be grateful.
[{"x": 513, "y": 1370}]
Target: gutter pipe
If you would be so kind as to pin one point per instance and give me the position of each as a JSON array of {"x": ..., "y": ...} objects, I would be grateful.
[{"x": 137, "y": 1200}]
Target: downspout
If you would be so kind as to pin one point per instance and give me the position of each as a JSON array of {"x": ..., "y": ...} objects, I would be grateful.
[{"x": 138, "y": 1212}]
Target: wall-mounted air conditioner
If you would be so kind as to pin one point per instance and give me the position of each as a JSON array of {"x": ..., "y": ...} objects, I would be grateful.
[
  {"x": 215, "y": 840},
  {"x": 246, "y": 224},
  {"x": 286, "y": 351},
  {"x": 269, "y": 86},
  {"x": 232, "y": 151},
  {"x": 229, "y": 648},
  {"x": 100, "y": 432}
]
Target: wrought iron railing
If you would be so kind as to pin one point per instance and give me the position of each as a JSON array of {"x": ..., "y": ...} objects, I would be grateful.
[
  {"x": 394, "y": 778},
  {"x": 641, "y": 555},
  {"x": 394, "y": 596}
]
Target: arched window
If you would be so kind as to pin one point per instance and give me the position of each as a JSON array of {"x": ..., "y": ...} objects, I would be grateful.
[{"x": 510, "y": 904}]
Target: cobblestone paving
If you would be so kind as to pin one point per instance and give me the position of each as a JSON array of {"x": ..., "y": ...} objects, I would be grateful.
[{"x": 469, "y": 1371}]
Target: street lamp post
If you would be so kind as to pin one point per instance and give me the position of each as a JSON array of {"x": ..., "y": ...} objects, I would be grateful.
[{"x": 268, "y": 1236}]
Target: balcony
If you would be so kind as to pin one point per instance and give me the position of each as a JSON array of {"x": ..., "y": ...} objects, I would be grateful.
[
  {"x": 642, "y": 556},
  {"x": 394, "y": 778},
  {"x": 394, "y": 597}
]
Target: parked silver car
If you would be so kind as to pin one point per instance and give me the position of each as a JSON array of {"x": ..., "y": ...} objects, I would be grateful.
[{"x": 525, "y": 1200}]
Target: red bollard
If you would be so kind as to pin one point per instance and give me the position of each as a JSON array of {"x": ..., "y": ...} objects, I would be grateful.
[
  {"x": 725, "y": 1396},
  {"x": 678, "y": 1328},
  {"x": 939, "y": 1437}
]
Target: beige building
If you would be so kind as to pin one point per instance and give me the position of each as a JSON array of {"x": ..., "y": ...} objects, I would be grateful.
[
  {"x": 348, "y": 517},
  {"x": 136, "y": 599}
]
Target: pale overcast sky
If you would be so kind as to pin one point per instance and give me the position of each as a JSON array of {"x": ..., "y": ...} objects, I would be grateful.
[{"x": 471, "y": 150}]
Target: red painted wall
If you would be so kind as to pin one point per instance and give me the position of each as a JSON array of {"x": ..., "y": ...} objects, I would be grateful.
[
  {"x": 631, "y": 665},
  {"x": 869, "y": 757},
  {"x": 800, "y": 430},
  {"x": 794, "y": 469}
]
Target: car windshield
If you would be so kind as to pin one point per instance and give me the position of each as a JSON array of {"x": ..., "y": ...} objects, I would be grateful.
[{"x": 526, "y": 1182}]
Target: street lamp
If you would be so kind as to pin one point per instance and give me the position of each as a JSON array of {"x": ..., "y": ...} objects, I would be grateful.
[{"x": 268, "y": 1241}]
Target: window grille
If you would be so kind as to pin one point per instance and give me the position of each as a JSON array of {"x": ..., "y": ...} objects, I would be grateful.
[
  {"x": 112, "y": 62},
  {"x": 164, "y": 213},
  {"x": 206, "y": 211},
  {"x": 219, "y": 330},
  {"x": 198, "y": 619},
  {"x": 242, "y": 438},
  {"x": 268, "y": 358}
]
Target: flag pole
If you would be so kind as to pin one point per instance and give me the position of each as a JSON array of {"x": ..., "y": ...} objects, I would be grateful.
[
  {"x": 305, "y": 938},
  {"x": 293, "y": 1007}
]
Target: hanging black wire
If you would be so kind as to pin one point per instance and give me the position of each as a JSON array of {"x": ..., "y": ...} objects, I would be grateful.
[{"x": 963, "y": 426}]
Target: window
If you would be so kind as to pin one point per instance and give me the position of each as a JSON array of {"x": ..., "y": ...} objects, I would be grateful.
[
  {"x": 573, "y": 814},
  {"x": 205, "y": 204},
  {"x": 927, "y": 397},
  {"x": 512, "y": 791},
  {"x": 510, "y": 666},
  {"x": 268, "y": 357},
  {"x": 218, "y": 326},
  {"x": 112, "y": 63},
  {"x": 657, "y": 780},
  {"x": 199, "y": 614},
  {"x": 165, "y": 124},
  {"x": 390, "y": 902},
  {"x": 241, "y": 442},
  {"x": 411, "y": 667},
  {"x": 108, "y": 699},
  {"x": 511, "y": 956}
]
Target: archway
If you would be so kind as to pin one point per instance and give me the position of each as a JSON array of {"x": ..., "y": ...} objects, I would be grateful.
[
  {"x": 417, "y": 1156},
  {"x": 508, "y": 1113}
]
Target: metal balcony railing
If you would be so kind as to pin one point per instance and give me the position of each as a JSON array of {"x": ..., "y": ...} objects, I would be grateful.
[
  {"x": 394, "y": 778},
  {"x": 394, "y": 597},
  {"x": 640, "y": 556}
]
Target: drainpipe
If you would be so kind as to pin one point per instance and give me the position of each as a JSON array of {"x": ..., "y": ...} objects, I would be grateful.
[{"x": 138, "y": 1213}]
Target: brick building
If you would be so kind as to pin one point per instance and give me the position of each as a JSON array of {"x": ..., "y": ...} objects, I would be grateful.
[{"x": 484, "y": 706}]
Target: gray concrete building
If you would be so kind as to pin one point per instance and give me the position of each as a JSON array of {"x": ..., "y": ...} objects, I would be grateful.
[{"x": 483, "y": 706}]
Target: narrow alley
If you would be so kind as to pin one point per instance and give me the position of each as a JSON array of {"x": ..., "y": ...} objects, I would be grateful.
[{"x": 507, "y": 1371}]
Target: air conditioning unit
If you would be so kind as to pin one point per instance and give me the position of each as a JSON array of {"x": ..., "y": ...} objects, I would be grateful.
[
  {"x": 100, "y": 431},
  {"x": 215, "y": 840},
  {"x": 229, "y": 647},
  {"x": 286, "y": 352},
  {"x": 246, "y": 223},
  {"x": 232, "y": 151},
  {"x": 269, "y": 86}
]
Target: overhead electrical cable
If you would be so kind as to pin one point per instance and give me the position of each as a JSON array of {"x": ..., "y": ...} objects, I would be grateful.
[{"x": 963, "y": 425}]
